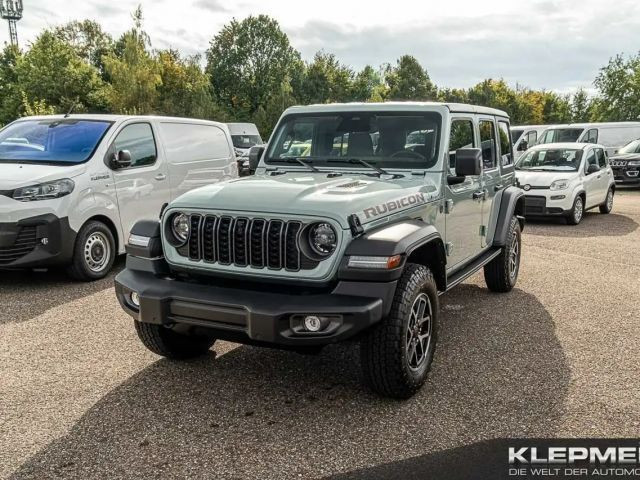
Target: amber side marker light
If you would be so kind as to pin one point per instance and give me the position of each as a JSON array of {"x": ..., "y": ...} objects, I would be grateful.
[{"x": 378, "y": 263}]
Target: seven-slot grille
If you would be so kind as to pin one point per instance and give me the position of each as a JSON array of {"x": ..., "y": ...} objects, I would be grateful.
[
  {"x": 24, "y": 243},
  {"x": 242, "y": 241},
  {"x": 618, "y": 163}
]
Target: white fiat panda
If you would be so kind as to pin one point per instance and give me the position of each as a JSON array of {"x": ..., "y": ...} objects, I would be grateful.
[
  {"x": 566, "y": 179},
  {"x": 71, "y": 187}
]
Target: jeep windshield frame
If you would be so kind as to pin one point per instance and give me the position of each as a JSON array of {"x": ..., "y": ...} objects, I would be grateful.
[{"x": 389, "y": 140}]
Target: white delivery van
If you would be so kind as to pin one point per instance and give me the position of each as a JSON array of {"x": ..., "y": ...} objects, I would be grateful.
[
  {"x": 613, "y": 135},
  {"x": 244, "y": 136},
  {"x": 525, "y": 136},
  {"x": 71, "y": 187}
]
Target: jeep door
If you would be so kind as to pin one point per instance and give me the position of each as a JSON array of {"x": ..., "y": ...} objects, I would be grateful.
[
  {"x": 464, "y": 212},
  {"x": 491, "y": 172}
]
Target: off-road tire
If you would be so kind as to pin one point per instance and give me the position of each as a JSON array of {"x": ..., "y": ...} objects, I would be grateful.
[
  {"x": 498, "y": 273},
  {"x": 79, "y": 268},
  {"x": 383, "y": 351},
  {"x": 572, "y": 218},
  {"x": 167, "y": 343},
  {"x": 607, "y": 206}
]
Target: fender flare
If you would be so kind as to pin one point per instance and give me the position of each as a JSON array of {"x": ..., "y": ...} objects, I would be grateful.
[{"x": 512, "y": 203}]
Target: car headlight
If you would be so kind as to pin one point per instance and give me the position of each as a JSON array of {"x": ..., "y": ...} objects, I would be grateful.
[
  {"x": 44, "y": 191},
  {"x": 559, "y": 185},
  {"x": 322, "y": 239},
  {"x": 180, "y": 227},
  {"x": 634, "y": 163}
]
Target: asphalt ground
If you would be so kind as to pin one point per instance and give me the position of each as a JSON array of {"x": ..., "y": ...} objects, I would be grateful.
[{"x": 81, "y": 398}]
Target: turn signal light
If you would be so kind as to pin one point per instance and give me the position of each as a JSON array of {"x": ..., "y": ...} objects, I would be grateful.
[{"x": 378, "y": 263}]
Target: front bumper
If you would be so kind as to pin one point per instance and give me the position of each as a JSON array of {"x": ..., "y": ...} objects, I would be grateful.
[
  {"x": 252, "y": 316},
  {"x": 34, "y": 242},
  {"x": 626, "y": 175},
  {"x": 545, "y": 205}
]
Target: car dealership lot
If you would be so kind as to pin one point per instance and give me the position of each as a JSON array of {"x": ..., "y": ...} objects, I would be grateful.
[{"x": 81, "y": 398}]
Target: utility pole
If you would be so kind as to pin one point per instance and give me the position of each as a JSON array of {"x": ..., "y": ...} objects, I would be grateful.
[{"x": 11, "y": 10}]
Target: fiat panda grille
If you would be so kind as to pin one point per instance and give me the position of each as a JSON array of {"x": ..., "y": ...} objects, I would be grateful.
[{"x": 241, "y": 241}]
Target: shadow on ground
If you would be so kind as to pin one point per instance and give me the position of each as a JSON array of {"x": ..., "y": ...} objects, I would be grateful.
[
  {"x": 593, "y": 225},
  {"x": 499, "y": 371},
  {"x": 25, "y": 294}
]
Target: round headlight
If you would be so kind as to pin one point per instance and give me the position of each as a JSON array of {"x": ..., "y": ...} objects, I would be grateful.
[
  {"x": 180, "y": 227},
  {"x": 323, "y": 239}
]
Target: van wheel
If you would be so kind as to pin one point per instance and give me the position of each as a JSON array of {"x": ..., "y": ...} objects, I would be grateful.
[
  {"x": 94, "y": 252},
  {"x": 170, "y": 344},
  {"x": 501, "y": 273},
  {"x": 577, "y": 212},
  {"x": 607, "y": 206},
  {"x": 396, "y": 354}
]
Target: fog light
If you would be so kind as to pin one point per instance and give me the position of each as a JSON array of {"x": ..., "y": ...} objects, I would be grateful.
[
  {"x": 313, "y": 323},
  {"x": 135, "y": 299}
]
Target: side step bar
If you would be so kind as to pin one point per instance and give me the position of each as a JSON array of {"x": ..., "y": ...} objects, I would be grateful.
[{"x": 465, "y": 272}]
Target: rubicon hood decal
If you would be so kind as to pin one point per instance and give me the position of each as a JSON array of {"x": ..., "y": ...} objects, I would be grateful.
[{"x": 399, "y": 204}]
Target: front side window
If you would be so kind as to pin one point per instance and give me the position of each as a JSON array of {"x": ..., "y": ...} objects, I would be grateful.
[
  {"x": 515, "y": 135},
  {"x": 558, "y": 135},
  {"x": 52, "y": 141},
  {"x": 505, "y": 145},
  {"x": 551, "y": 160},
  {"x": 592, "y": 136},
  {"x": 488, "y": 143},
  {"x": 591, "y": 160},
  {"x": 461, "y": 136},
  {"x": 532, "y": 138},
  {"x": 602, "y": 158},
  {"x": 138, "y": 140},
  {"x": 386, "y": 140}
]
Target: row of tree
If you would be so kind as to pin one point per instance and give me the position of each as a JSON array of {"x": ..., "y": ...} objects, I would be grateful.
[{"x": 253, "y": 73}]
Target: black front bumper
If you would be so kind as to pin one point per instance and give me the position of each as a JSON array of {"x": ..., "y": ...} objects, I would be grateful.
[
  {"x": 252, "y": 315},
  {"x": 626, "y": 175},
  {"x": 41, "y": 241},
  {"x": 536, "y": 206}
]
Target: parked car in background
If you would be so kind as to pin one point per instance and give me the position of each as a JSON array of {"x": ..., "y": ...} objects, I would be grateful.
[
  {"x": 525, "y": 136},
  {"x": 626, "y": 163},
  {"x": 566, "y": 179},
  {"x": 244, "y": 136},
  {"x": 72, "y": 187},
  {"x": 612, "y": 135}
]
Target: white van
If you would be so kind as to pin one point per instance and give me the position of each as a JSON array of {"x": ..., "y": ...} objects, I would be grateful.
[
  {"x": 244, "y": 136},
  {"x": 613, "y": 135},
  {"x": 71, "y": 187},
  {"x": 525, "y": 136}
]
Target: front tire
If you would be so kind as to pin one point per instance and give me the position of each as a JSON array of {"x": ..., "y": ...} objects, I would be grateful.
[
  {"x": 607, "y": 206},
  {"x": 94, "y": 252},
  {"x": 501, "y": 273},
  {"x": 577, "y": 212},
  {"x": 396, "y": 354},
  {"x": 170, "y": 344}
]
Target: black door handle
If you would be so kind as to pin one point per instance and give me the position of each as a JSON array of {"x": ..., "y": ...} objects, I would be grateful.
[{"x": 478, "y": 195}]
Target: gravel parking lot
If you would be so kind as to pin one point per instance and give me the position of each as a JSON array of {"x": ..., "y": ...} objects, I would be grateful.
[{"x": 81, "y": 398}]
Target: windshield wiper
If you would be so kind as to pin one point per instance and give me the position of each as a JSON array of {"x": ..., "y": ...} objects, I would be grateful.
[
  {"x": 298, "y": 160},
  {"x": 361, "y": 162}
]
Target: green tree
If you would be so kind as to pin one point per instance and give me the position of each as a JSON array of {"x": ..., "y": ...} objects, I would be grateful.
[
  {"x": 133, "y": 72},
  {"x": 248, "y": 61},
  {"x": 88, "y": 39},
  {"x": 326, "y": 80},
  {"x": 409, "y": 81},
  {"x": 10, "y": 95},
  {"x": 618, "y": 84},
  {"x": 366, "y": 84},
  {"x": 581, "y": 107}
]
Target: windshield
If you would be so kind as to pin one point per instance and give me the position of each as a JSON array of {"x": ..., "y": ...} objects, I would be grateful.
[
  {"x": 246, "y": 141},
  {"x": 385, "y": 140},
  {"x": 64, "y": 141},
  {"x": 515, "y": 135},
  {"x": 558, "y": 135},
  {"x": 631, "y": 147},
  {"x": 551, "y": 160}
]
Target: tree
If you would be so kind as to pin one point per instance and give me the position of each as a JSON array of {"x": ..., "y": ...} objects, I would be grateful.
[
  {"x": 10, "y": 95},
  {"x": 619, "y": 86},
  {"x": 326, "y": 80},
  {"x": 88, "y": 39},
  {"x": 581, "y": 107},
  {"x": 248, "y": 61},
  {"x": 133, "y": 72},
  {"x": 366, "y": 84},
  {"x": 409, "y": 81}
]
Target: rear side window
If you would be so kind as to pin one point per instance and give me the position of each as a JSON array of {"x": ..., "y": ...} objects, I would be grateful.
[
  {"x": 602, "y": 158},
  {"x": 591, "y": 136},
  {"x": 488, "y": 143},
  {"x": 186, "y": 142},
  {"x": 138, "y": 140},
  {"x": 506, "y": 154},
  {"x": 461, "y": 137}
]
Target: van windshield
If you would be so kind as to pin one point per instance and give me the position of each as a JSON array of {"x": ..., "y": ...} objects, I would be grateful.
[
  {"x": 551, "y": 160},
  {"x": 246, "y": 141},
  {"x": 382, "y": 139},
  {"x": 51, "y": 141},
  {"x": 559, "y": 135}
]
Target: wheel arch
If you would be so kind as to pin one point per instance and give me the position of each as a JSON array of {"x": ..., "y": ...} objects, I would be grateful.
[
  {"x": 432, "y": 255},
  {"x": 512, "y": 203}
]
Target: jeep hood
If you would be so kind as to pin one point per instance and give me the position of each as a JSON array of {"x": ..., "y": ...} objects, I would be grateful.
[
  {"x": 315, "y": 194},
  {"x": 625, "y": 156}
]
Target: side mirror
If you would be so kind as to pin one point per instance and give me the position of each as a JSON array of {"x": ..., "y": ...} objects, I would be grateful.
[
  {"x": 121, "y": 159},
  {"x": 523, "y": 146},
  {"x": 468, "y": 162},
  {"x": 592, "y": 168},
  {"x": 254, "y": 157}
]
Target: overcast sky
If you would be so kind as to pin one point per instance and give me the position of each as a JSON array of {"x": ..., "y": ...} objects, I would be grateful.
[{"x": 552, "y": 44}]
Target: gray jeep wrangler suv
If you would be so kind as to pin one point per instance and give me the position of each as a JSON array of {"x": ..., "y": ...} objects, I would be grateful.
[{"x": 357, "y": 218}]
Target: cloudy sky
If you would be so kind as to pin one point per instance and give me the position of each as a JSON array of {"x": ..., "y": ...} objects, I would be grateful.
[{"x": 552, "y": 44}]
